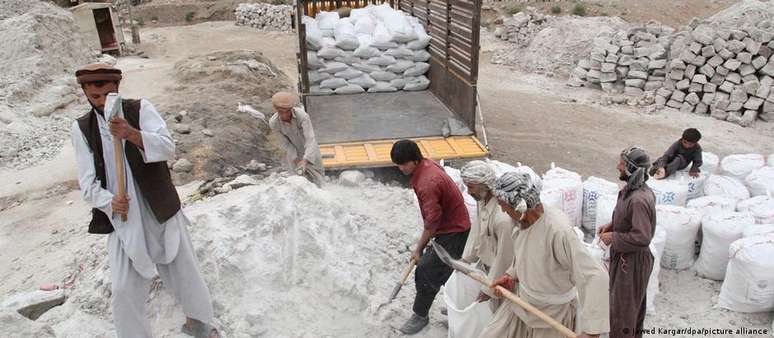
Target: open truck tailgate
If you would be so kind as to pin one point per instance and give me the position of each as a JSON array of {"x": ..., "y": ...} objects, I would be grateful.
[{"x": 369, "y": 154}]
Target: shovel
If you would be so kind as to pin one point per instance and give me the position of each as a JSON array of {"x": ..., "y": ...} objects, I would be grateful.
[
  {"x": 476, "y": 275},
  {"x": 399, "y": 285},
  {"x": 113, "y": 109}
]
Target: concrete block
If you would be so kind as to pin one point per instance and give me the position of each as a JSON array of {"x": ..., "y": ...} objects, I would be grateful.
[
  {"x": 735, "y": 46},
  {"x": 721, "y": 96},
  {"x": 721, "y": 104},
  {"x": 768, "y": 69},
  {"x": 751, "y": 87},
  {"x": 734, "y": 106},
  {"x": 669, "y": 84},
  {"x": 633, "y": 91},
  {"x": 637, "y": 83},
  {"x": 657, "y": 64},
  {"x": 660, "y": 100},
  {"x": 674, "y": 104},
  {"x": 748, "y": 118},
  {"x": 734, "y": 78},
  {"x": 732, "y": 64},
  {"x": 734, "y": 117},
  {"x": 608, "y": 67},
  {"x": 692, "y": 98},
  {"x": 726, "y": 54},
  {"x": 768, "y": 107},
  {"x": 758, "y": 62},
  {"x": 717, "y": 79},
  {"x": 726, "y": 87},
  {"x": 750, "y": 78},
  {"x": 708, "y": 98},
  {"x": 763, "y": 91},
  {"x": 766, "y": 51},
  {"x": 751, "y": 45},
  {"x": 718, "y": 114},
  {"x": 636, "y": 74},
  {"x": 719, "y": 44},
  {"x": 722, "y": 70},
  {"x": 753, "y": 103},
  {"x": 701, "y": 108},
  {"x": 710, "y": 88},
  {"x": 745, "y": 70},
  {"x": 708, "y": 51},
  {"x": 683, "y": 84},
  {"x": 659, "y": 72},
  {"x": 695, "y": 47},
  {"x": 703, "y": 34},
  {"x": 664, "y": 92},
  {"x": 695, "y": 88},
  {"x": 707, "y": 70},
  {"x": 608, "y": 77},
  {"x": 687, "y": 107},
  {"x": 677, "y": 64},
  {"x": 700, "y": 78},
  {"x": 687, "y": 56},
  {"x": 653, "y": 85},
  {"x": 678, "y": 96},
  {"x": 699, "y": 61}
]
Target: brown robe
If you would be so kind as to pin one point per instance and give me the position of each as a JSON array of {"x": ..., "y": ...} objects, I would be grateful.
[{"x": 634, "y": 223}]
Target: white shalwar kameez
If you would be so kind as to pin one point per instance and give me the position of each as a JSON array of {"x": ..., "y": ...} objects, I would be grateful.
[
  {"x": 297, "y": 139},
  {"x": 140, "y": 246}
]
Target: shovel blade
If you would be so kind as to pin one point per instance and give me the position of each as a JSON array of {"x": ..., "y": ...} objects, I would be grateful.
[{"x": 448, "y": 260}]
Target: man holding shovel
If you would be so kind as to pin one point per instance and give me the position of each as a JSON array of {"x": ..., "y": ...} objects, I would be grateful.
[
  {"x": 552, "y": 271},
  {"x": 140, "y": 210},
  {"x": 445, "y": 220},
  {"x": 293, "y": 127}
]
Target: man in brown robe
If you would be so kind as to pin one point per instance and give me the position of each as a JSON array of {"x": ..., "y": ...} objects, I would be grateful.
[{"x": 629, "y": 235}]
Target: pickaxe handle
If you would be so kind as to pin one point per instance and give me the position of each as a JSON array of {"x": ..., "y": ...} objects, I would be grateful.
[
  {"x": 527, "y": 306},
  {"x": 118, "y": 149}
]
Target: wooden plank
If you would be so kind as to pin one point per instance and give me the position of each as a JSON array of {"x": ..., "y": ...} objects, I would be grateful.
[
  {"x": 468, "y": 5},
  {"x": 370, "y": 151}
]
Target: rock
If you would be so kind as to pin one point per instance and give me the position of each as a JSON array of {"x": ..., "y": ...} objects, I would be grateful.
[
  {"x": 33, "y": 304},
  {"x": 708, "y": 98},
  {"x": 753, "y": 103},
  {"x": 683, "y": 84},
  {"x": 751, "y": 45},
  {"x": 255, "y": 166},
  {"x": 719, "y": 114},
  {"x": 230, "y": 171},
  {"x": 687, "y": 107},
  {"x": 608, "y": 77},
  {"x": 207, "y": 132},
  {"x": 727, "y": 87},
  {"x": 677, "y": 64},
  {"x": 744, "y": 57},
  {"x": 182, "y": 128},
  {"x": 690, "y": 71},
  {"x": 352, "y": 178},
  {"x": 657, "y": 64},
  {"x": 16, "y": 325},
  {"x": 241, "y": 181},
  {"x": 732, "y": 64},
  {"x": 734, "y": 78},
  {"x": 638, "y": 74},
  {"x": 758, "y": 62},
  {"x": 748, "y": 118},
  {"x": 726, "y": 54},
  {"x": 715, "y": 61},
  {"x": 707, "y": 70},
  {"x": 701, "y": 108},
  {"x": 734, "y": 117},
  {"x": 708, "y": 51},
  {"x": 700, "y": 78},
  {"x": 180, "y": 115},
  {"x": 692, "y": 98},
  {"x": 735, "y": 46},
  {"x": 709, "y": 88},
  {"x": 608, "y": 67},
  {"x": 768, "y": 69},
  {"x": 182, "y": 166},
  {"x": 676, "y": 74},
  {"x": 678, "y": 96},
  {"x": 637, "y": 83}
]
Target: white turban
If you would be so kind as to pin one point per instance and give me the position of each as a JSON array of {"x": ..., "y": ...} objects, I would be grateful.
[
  {"x": 479, "y": 172},
  {"x": 519, "y": 190}
]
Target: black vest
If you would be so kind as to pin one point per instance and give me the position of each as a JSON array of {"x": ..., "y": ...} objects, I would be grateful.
[{"x": 153, "y": 178}]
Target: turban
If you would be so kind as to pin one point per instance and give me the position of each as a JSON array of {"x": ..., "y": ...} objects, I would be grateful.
[
  {"x": 478, "y": 172},
  {"x": 520, "y": 190},
  {"x": 97, "y": 72},
  {"x": 636, "y": 164},
  {"x": 284, "y": 100}
]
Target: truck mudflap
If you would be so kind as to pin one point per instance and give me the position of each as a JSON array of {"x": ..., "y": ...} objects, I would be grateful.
[{"x": 376, "y": 153}]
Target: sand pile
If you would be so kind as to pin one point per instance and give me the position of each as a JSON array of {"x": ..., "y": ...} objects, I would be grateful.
[
  {"x": 41, "y": 50},
  {"x": 277, "y": 254}
]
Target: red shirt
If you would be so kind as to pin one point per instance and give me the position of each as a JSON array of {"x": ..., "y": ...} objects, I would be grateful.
[{"x": 441, "y": 203}]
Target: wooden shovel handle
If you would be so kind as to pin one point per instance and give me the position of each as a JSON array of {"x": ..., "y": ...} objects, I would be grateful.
[
  {"x": 527, "y": 306},
  {"x": 407, "y": 272},
  {"x": 118, "y": 150}
]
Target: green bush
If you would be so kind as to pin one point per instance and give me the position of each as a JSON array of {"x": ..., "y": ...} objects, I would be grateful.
[
  {"x": 579, "y": 9},
  {"x": 514, "y": 9},
  {"x": 189, "y": 16},
  {"x": 556, "y": 10}
]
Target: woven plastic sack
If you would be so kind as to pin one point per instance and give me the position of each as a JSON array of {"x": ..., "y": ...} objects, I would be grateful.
[
  {"x": 327, "y": 20},
  {"x": 383, "y": 76},
  {"x": 329, "y": 53},
  {"x": 467, "y": 318},
  {"x": 398, "y": 83},
  {"x": 564, "y": 190},
  {"x": 656, "y": 249},
  {"x": 418, "y": 83},
  {"x": 316, "y": 77},
  {"x": 382, "y": 60},
  {"x": 695, "y": 184},
  {"x": 709, "y": 204},
  {"x": 334, "y": 67},
  {"x": 313, "y": 33},
  {"x": 761, "y": 181},
  {"x": 726, "y": 186},
  {"x": 669, "y": 192},
  {"x": 741, "y": 165},
  {"x": 419, "y": 68},
  {"x": 758, "y": 229},
  {"x": 422, "y": 41},
  {"x": 400, "y": 52},
  {"x": 348, "y": 74},
  {"x": 400, "y": 66},
  {"x": 349, "y": 89},
  {"x": 719, "y": 230},
  {"x": 421, "y": 56},
  {"x": 316, "y": 90},
  {"x": 333, "y": 83},
  {"x": 593, "y": 188},
  {"x": 364, "y": 81},
  {"x": 382, "y": 87},
  {"x": 749, "y": 283},
  {"x": 366, "y": 52},
  {"x": 605, "y": 207},
  {"x": 682, "y": 227}
]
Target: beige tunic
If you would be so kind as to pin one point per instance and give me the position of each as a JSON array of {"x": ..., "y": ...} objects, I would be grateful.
[
  {"x": 297, "y": 139},
  {"x": 494, "y": 244},
  {"x": 550, "y": 264}
]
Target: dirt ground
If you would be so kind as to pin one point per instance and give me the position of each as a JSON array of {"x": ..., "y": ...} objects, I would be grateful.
[{"x": 672, "y": 13}]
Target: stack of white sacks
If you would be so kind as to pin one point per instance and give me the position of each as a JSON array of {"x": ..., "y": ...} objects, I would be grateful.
[
  {"x": 729, "y": 210},
  {"x": 375, "y": 49}
]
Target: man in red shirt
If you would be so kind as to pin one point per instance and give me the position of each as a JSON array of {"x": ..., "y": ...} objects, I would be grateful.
[{"x": 446, "y": 219}]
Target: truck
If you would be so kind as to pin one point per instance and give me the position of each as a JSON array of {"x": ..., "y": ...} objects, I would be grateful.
[{"x": 358, "y": 130}]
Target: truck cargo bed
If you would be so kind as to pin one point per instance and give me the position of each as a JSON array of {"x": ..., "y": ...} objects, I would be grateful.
[{"x": 376, "y": 116}]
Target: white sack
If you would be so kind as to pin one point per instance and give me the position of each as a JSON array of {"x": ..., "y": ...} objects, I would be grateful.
[
  {"x": 682, "y": 228},
  {"x": 327, "y": 20},
  {"x": 695, "y": 184},
  {"x": 761, "y": 181},
  {"x": 365, "y": 40},
  {"x": 467, "y": 318},
  {"x": 313, "y": 33},
  {"x": 741, "y": 165},
  {"x": 357, "y": 13},
  {"x": 400, "y": 52},
  {"x": 421, "y": 56},
  {"x": 418, "y": 69},
  {"x": 709, "y": 165},
  {"x": 382, "y": 35},
  {"x": 709, "y": 204},
  {"x": 760, "y": 207},
  {"x": 366, "y": 68},
  {"x": 726, "y": 186},
  {"x": 329, "y": 53},
  {"x": 316, "y": 90},
  {"x": 334, "y": 67},
  {"x": 366, "y": 52},
  {"x": 656, "y": 248},
  {"x": 501, "y": 168},
  {"x": 758, "y": 229},
  {"x": 563, "y": 189},
  {"x": 382, "y": 87},
  {"x": 315, "y": 77},
  {"x": 347, "y": 43},
  {"x": 719, "y": 230},
  {"x": 313, "y": 62},
  {"x": 593, "y": 188},
  {"x": 749, "y": 283},
  {"x": 365, "y": 25},
  {"x": 383, "y": 76},
  {"x": 605, "y": 207},
  {"x": 333, "y": 83},
  {"x": 400, "y": 66},
  {"x": 382, "y": 60},
  {"x": 348, "y": 58},
  {"x": 348, "y": 74},
  {"x": 345, "y": 35},
  {"x": 349, "y": 89},
  {"x": 398, "y": 83},
  {"x": 422, "y": 41},
  {"x": 364, "y": 81},
  {"x": 669, "y": 192},
  {"x": 399, "y": 27},
  {"x": 329, "y": 42},
  {"x": 418, "y": 83},
  {"x": 770, "y": 160}
]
